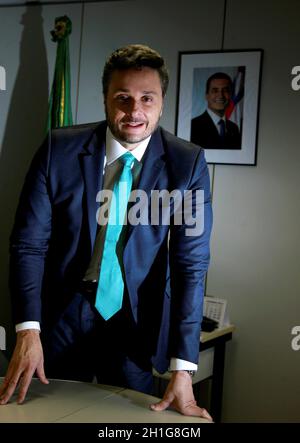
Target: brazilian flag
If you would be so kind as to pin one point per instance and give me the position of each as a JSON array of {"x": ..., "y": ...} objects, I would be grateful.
[{"x": 60, "y": 110}]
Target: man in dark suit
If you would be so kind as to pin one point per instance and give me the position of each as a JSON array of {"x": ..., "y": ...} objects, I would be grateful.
[
  {"x": 212, "y": 130},
  {"x": 59, "y": 254}
]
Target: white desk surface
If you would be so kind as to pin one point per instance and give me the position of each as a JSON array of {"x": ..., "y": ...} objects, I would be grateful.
[
  {"x": 206, "y": 336},
  {"x": 76, "y": 402}
]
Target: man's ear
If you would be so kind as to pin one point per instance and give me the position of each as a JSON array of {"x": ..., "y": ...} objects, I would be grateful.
[{"x": 161, "y": 111}]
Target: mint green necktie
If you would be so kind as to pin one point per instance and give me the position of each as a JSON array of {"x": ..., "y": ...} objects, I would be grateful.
[{"x": 110, "y": 289}]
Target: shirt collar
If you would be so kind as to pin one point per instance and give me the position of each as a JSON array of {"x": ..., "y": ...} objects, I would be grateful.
[
  {"x": 215, "y": 118},
  {"x": 114, "y": 149}
]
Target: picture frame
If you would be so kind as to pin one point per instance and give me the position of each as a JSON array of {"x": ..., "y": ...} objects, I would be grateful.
[{"x": 218, "y": 103}]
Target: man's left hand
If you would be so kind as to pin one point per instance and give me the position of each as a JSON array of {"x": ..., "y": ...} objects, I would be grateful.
[{"x": 179, "y": 396}]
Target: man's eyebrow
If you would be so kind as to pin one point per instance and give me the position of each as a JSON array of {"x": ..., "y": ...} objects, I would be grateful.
[
  {"x": 121, "y": 90},
  {"x": 150, "y": 92},
  {"x": 220, "y": 87},
  {"x": 127, "y": 90}
]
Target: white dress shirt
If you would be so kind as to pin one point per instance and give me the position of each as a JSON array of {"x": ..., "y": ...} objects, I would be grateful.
[{"x": 216, "y": 118}]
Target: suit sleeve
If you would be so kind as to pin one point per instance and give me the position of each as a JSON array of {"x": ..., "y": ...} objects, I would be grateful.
[
  {"x": 189, "y": 259},
  {"x": 29, "y": 240}
]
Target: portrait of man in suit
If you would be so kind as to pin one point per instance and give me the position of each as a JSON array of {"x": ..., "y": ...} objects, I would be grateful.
[
  {"x": 212, "y": 129},
  {"x": 112, "y": 300}
]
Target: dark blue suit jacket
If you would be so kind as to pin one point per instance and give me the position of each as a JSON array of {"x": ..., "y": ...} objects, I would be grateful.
[
  {"x": 204, "y": 133},
  {"x": 55, "y": 228}
]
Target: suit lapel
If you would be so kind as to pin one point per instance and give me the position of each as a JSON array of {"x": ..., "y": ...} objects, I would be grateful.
[
  {"x": 211, "y": 127},
  {"x": 152, "y": 170},
  {"x": 92, "y": 160},
  {"x": 153, "y": 164}
]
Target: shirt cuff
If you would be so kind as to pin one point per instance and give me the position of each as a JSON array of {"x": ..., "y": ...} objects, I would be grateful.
[
  {"x": 176, "y": 364},
  {"x": 28, "y": 325}
]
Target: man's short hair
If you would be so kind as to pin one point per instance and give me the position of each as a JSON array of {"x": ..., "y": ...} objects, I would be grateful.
[
  {"x": 218, "y": 76},
  {"x": 135, "y": 57}
]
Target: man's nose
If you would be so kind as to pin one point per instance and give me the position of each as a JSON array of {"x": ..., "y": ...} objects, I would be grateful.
[{"x": 134, "y": 107}]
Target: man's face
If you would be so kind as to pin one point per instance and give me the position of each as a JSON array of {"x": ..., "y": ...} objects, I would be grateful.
[
  {"x": 218, "y": 95},
  {"x": 133, "y": 105}
]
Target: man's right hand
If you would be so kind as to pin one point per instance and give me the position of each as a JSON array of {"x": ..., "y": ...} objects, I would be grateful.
[{"x": 27, "y": 358}]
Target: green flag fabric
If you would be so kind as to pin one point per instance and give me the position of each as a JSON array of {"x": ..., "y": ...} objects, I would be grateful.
[{"x": 60, "y": 110}]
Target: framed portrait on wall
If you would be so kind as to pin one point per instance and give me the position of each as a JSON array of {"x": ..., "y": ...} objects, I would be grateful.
[{"x": 218, "y": 103}]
